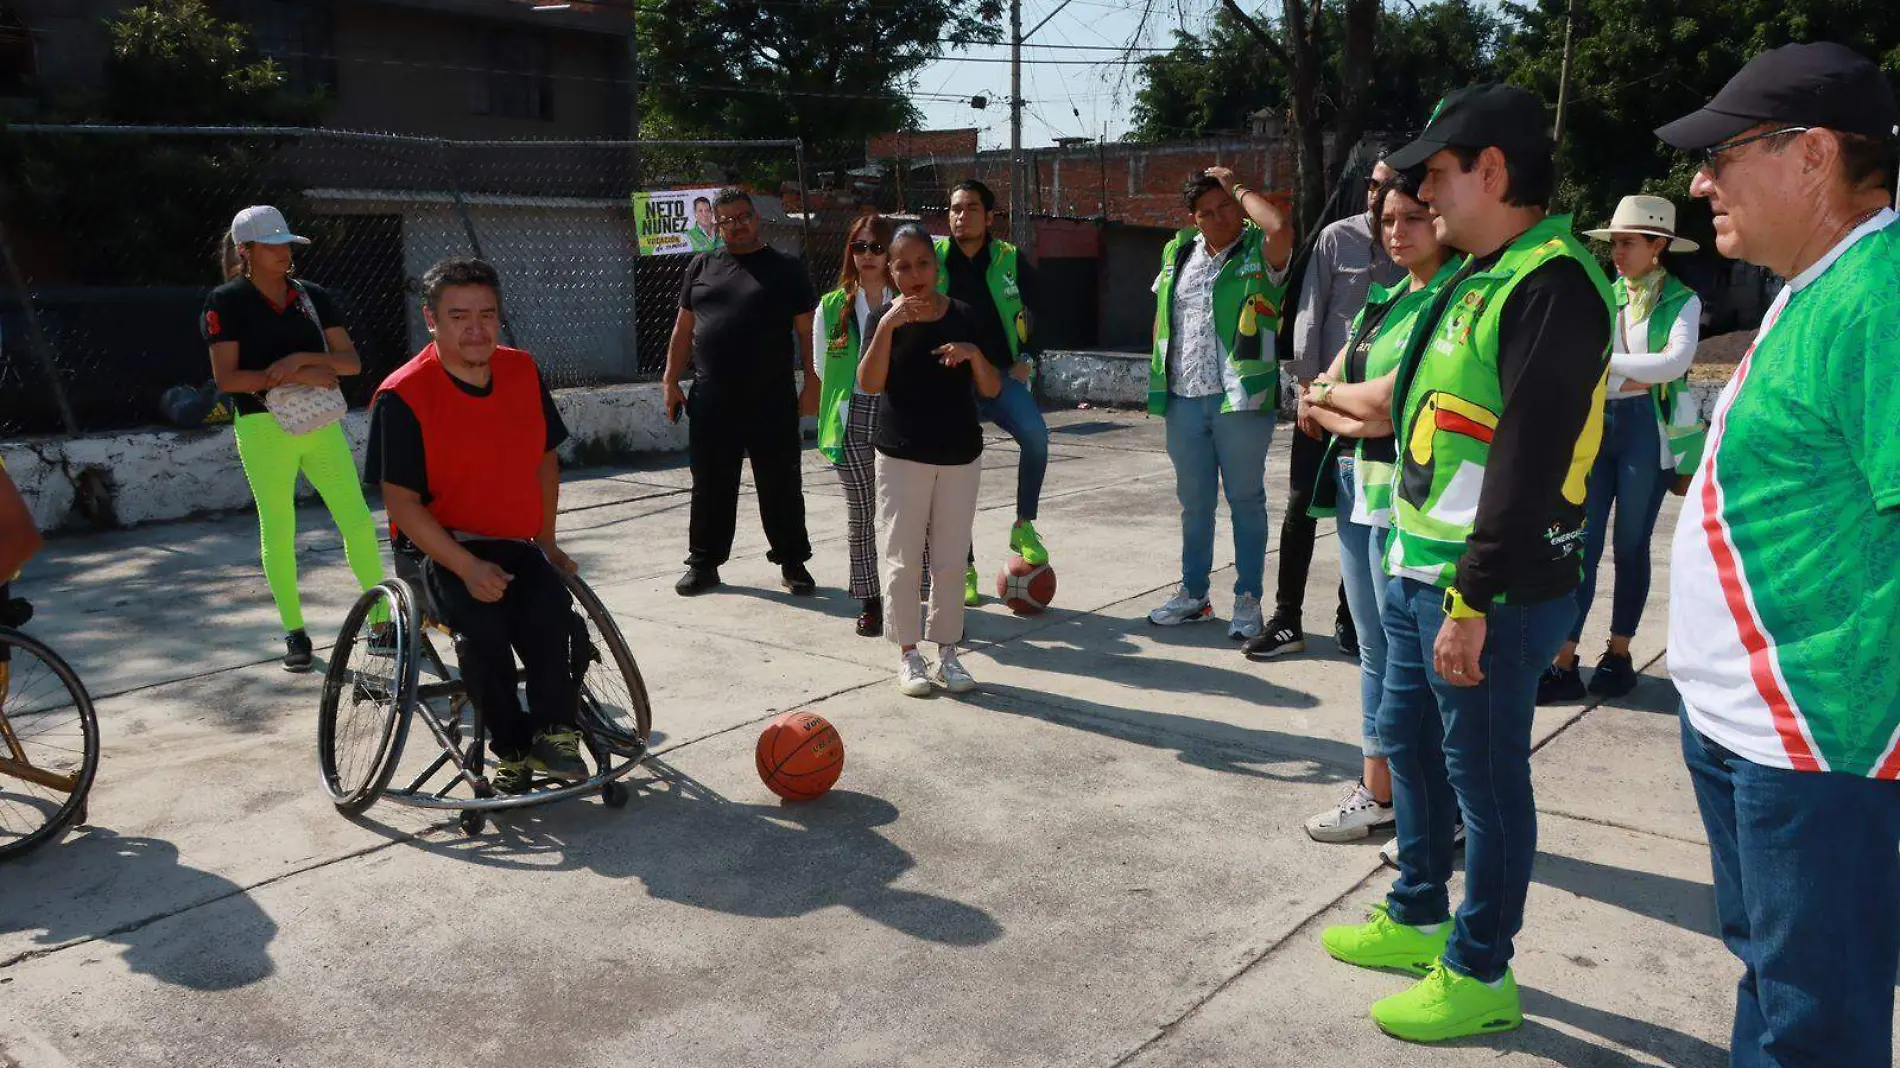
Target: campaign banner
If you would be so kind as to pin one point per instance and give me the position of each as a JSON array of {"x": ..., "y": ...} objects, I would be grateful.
[{"x": 673, "y": 222}]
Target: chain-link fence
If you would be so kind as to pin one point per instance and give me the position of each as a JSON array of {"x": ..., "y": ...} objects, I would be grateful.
[{"x": 110, "y": 239}]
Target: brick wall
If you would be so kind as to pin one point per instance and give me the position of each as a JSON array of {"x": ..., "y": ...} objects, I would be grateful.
[{"x": 921, "y": 144}]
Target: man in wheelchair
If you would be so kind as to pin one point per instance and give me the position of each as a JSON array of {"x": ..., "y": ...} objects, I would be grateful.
[{"x": 462, "y": 441}]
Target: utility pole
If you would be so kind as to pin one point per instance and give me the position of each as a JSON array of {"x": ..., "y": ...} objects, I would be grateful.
[
  {"x": 1563, "y": 77},
  {"x": 1018, "y": 187}
]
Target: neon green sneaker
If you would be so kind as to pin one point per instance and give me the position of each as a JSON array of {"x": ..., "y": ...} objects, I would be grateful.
[
  {"x": 1026, "y": 543},
  {"x": 1383, "y": 942},
  {"x": 1446, "y": 1004},
  {"x": 972, "y": 594}
]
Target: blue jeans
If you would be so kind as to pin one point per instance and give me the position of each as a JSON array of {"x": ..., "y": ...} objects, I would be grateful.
[
  {"x": 1362, "y": 569},
  {"x": 1015, "y": 410},
  {"x": 1628, "y": 473},
  {"x": 1807, "y": 874},
  {"x": 1213, "y": 451},
  {"x": 1469, "y": 747}
]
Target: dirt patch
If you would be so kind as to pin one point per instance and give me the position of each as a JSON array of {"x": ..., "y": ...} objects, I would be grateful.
[{"x": 1716, "y": 357}]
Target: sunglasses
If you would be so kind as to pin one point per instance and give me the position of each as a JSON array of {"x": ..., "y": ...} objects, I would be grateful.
[
  {"x": 875, "y": 248},
  {"x": 1711, "y": 157}
]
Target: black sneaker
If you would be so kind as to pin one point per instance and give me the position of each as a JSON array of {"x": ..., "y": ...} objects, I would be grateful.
[
  {"x": 871, "y": 620},
  {"x": 1346, "y": 636},
  {"x": 797, "y": 579},
  {"x": 1615, "y": 676},
  {"x": 696, "y": 581},
  {"x": 1281, "y": 637},
  {"x": 382, "y": 639},
  {"x": 297, "y": 652},
  {"x": 557, "y": 754},
  {"x": 1560, "y": 685}
]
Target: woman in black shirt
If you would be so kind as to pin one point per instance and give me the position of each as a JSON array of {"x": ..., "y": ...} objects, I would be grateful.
[
  {"x": 923, "y": 361},
  {"x": 267, "y": 329}
]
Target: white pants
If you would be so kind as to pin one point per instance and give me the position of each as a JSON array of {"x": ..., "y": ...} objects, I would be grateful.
[{"x": 919, "y": 505}]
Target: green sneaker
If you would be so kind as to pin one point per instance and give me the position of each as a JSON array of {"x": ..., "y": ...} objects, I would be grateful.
[
  {"x": 1446, "y": 1004},
  {"x": 1026, "y": 543},
  {"x": 972, "y": 595},
  {"x": 1383, "y": 942},
  {"x": 557, "y": 754},
  {"x": 511, "y": 776}
]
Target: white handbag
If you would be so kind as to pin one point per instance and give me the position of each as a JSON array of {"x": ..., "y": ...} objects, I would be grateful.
[{"x": 301, "y": 409}]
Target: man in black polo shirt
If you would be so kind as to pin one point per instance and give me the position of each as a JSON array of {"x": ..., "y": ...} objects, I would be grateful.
[{"x": 741, "y": 308}]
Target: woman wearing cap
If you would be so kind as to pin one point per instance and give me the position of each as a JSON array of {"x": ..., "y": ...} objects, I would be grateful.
[
  {"x": 847, "y": 415},
  {"x": 1650, "y": 433},
  {"x": 267, "y": 329}
]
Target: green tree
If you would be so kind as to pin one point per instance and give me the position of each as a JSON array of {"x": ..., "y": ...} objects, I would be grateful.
[
  {"x": 829, "y": 71},
  {"x": 173, "y": 61},
  {"x": 1205, "y": 85}
]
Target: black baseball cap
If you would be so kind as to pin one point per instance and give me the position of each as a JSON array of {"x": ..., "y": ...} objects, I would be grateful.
[
  {"x": 1821, "y": 84},
  {"x": 1481, "y": 116}
]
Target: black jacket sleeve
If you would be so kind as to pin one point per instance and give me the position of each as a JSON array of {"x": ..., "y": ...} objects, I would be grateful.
[
  {"x": 1553, "y": 347},
  {"x": 395, "y": 452}
]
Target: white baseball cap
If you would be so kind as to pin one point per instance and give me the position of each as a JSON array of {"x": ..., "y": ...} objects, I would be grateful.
[{"x": 264, "y": 225}]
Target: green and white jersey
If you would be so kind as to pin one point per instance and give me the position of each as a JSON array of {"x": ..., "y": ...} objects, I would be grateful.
[{"x": 1784, "y": 582}]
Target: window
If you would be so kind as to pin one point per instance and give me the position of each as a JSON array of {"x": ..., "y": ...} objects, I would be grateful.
[
  {"x": 519, "y": 81},
  {"x": 296, "y": 34}
]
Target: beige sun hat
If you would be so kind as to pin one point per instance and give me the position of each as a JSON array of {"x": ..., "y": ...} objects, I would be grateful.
[{"x": 1646, "y": 217}]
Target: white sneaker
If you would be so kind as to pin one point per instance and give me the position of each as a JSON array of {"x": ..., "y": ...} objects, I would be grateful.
[
  {"x": 1389, "y": 852},
  {"x": 913, "y": 675},
  {"x": 1246, "y": 622},
  {"x": 1182, "y": 609},
  {"x": 1355, "y": 817},
  {"x": 950, "y": 673}
]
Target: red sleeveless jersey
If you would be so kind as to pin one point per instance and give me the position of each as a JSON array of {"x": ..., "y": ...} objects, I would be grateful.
[{"x": 482, "y": 454}]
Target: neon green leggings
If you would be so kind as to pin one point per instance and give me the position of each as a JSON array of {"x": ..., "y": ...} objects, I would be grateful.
[{"x": 272, "y": 460}]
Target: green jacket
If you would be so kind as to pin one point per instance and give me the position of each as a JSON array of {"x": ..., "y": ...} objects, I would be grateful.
[
  {"x": 1679, "y": 423},
  {"x": 1246, "y": 318},
  {"x": 1004, "y": 291},
  {"x": 837, "y": 369},
  {"x": 1446, "y": 403}
]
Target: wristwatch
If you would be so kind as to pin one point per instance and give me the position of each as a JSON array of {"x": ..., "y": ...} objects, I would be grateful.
[{"x": 1456, "y": 608}]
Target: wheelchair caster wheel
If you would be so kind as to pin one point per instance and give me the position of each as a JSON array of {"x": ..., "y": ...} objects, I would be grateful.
[
  {"x": 615, "y": 794},
  {"x": 473, "y": 822}
]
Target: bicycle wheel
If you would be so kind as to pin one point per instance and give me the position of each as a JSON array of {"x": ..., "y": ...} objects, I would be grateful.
[
  {"x": 367, "y": 694},
  {"x": 49, "y": 743},
  {"x": 613, "y": 696}
]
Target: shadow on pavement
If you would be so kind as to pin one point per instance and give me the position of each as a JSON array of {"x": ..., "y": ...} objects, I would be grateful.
[
  {"x": 1685, "y": 903},
  {"x": 690, "y": 845},
  {"x": 1669, "y": 1046},
  {"x": 220, "y": 951}
]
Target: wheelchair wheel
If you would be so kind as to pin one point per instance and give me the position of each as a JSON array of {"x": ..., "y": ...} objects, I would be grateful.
[
  {"x": 49, "y": 744},
  {"x": 367, "y": 694},
  {"x": 613, "y": 697}
]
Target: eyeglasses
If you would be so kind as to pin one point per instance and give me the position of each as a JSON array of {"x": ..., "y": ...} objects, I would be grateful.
[
  {"x": 1711, "y": 157},
  {"x": 875, "y": 248},
  {"x": 736, "y": 220}
]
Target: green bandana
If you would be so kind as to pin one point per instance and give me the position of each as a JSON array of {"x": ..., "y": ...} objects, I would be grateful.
[{"x": 1642, "y": 294}]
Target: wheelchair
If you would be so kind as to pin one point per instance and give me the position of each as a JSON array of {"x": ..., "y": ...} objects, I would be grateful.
[
  {"x": 385, "y": 673},
  {"x": 49, "y": 737}
]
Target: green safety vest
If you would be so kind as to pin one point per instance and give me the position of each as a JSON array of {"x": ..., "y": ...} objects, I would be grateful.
[
  {"x": 1391, "y": 312},
  {"x": 1004, "y": 292},
  {"x": 837, "y": 370},
  {"x": 1445, "y": 407},
  {"x": 1685, "y": 432},
  {"x": 1246, "y": 318}
]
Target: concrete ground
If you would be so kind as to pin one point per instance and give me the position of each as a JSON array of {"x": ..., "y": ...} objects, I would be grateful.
[{"x": 1095, "y": 861}]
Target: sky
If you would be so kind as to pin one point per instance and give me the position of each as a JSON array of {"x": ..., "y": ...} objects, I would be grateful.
[{"x": 1070, "y": 91}]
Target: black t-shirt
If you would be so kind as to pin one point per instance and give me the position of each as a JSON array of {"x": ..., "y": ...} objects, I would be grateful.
[
  {"x": 1553, "y": 345},
  {"x": 395, "y": 454},
  {"x": 927, "y": 412},
  {"x": 238, "y": 311},
  {"x": 969, "y": 283},
  {"x": 743, "y": 310}
]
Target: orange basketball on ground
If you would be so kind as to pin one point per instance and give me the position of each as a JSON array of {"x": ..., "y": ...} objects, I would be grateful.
[
  {"x": 1026, "y": 589},
  {"x": 800, "y": 756}
]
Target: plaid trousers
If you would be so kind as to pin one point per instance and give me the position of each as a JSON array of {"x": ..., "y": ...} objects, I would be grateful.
[{"x": 857, "y": 471}]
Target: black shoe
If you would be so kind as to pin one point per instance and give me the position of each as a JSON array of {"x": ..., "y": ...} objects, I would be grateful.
[
  {"x": 382, "y": 640},
  {"x": 797, "y": 579},
  {"x": 1615, "y": 676},
  {"x": 1281, "y": 637},
  {"x": 871, "y": 620},
  {"x": 696, "y": 581},
  {"x": 1558, "y": 685},
  {"x": 1346, "y": 636},
  {"x": 297, "y": 652}
]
